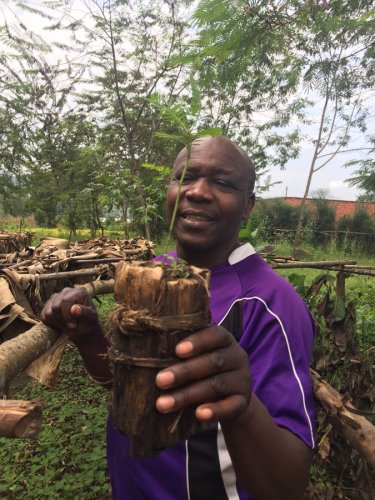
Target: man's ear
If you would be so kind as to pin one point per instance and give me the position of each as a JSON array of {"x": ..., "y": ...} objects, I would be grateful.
[{"x": 248, "y": 207}]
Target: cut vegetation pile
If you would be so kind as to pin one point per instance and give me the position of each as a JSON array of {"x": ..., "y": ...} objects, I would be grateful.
[
  {"x": 13, "y": 242},
  {"x": 54, "y": 264}
]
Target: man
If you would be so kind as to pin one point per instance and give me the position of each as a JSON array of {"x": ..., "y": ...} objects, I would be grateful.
[{"x": 251, "y": 386}]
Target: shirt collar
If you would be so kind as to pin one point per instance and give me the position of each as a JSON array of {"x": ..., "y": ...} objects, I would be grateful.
[{"x": 240, "y": 253}]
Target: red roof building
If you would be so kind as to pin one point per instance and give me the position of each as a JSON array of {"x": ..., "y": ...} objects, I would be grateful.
[{"x": 341, "y": 207}]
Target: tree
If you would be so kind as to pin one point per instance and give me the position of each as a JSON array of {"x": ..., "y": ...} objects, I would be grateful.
[
  {"x": 246, "y": 78},
  {"x": 364, "y": 176},
  {"x": 131, "y": 47},
  {"x": 269, "y": 52},
  {"x": 41, "y": 134}
]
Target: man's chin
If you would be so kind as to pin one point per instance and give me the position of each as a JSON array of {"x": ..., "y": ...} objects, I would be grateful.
[{"x": 195, "y": 245}]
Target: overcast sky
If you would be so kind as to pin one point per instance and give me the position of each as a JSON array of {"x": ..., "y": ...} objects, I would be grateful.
[
  {"x": 292, "y": 180},
  {"x": 330, "y": 178}
]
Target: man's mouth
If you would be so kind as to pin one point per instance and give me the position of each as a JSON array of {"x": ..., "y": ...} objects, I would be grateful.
[{"x": 196, "y": 217}]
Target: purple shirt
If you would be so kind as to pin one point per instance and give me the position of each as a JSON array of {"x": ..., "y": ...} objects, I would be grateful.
[{"x": 275, "y": 328}]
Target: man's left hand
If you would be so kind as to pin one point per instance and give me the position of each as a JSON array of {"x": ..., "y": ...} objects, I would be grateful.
[{"x": 214, "y": 376}]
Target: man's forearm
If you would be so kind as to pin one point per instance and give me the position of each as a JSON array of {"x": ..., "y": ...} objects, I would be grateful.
[{"x": 269, "y": 461}]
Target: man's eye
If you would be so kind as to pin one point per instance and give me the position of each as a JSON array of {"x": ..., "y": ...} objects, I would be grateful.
[
  {"x": 227, "y": 185},
  {"x": 186, "y": 179},
  {"x": 223, "y": 183}
]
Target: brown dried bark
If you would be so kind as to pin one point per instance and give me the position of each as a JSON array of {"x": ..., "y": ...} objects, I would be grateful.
[{"x": 155, "y": 311}]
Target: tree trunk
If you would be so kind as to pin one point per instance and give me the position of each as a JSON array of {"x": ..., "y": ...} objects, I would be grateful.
[
  {"x": 125, "y": 212},
  {"x": 147, "y": 224},
  {"x": 317, "y": 150}
]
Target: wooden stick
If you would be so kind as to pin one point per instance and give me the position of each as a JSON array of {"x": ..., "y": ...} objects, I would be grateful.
[
  {"x": 353, "y": 426},
  {"x": 345, "y": 269},
  {"x": 361, "y": 272},
  {"x": 323, "y": 263},
  {"x": 106, "y": 260},
  {"x": 22, "y": 419},
  {"x": 20, "y": 264},
  {"x": 68, "y": 274},
  {"x": 18, "y": 353}
]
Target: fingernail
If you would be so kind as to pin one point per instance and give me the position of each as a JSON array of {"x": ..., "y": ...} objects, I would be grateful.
[
  {"x": 184, "y": 348},
  {"x": 165, "y": 379},
  {"x": 71, "y": 325},
  {"x": 76, "y": 310},
  {"x": 204, "y": 413},
  {"x": 165, "y": 403}
]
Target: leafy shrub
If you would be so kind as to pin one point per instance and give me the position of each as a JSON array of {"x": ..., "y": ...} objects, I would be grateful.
[
  {"x": 344, "y": 357},
  {"x": 324, "y": 221},
  {"x": 278, "y": 214},
  {"x": 357, "y": 233}
]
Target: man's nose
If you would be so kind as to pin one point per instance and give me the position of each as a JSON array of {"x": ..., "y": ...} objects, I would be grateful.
[{"x": 199, "y": 189}]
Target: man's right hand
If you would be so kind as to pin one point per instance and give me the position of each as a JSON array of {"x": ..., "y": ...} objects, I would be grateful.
[{"x": 72, "y": 312}]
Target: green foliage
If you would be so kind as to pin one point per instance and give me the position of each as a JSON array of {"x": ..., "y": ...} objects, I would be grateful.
[
  {"x": 364, "y": 176},
  {"x": 252, "y": 231},
  {"x": 357, "y": 233},
  {"x": 344, "y": 356},
  {"x": 184, "y": 120},
  {"x": 68, "y": 460},
  {"x": 283, "y": 217},
  {"x": 324, "y": 221},
  {"x": 315, "y": 61},
  {"x": 75, "y": 133}
]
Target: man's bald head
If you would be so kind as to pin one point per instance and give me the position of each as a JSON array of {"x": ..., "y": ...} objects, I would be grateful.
[{"x": 230, "y": 149}]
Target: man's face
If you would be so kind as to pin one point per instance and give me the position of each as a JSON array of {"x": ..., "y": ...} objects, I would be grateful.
[{"x": 213, "y": 201}]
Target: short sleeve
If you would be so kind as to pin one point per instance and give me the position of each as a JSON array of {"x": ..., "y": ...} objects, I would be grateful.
[{"x": 279, "y": 343}]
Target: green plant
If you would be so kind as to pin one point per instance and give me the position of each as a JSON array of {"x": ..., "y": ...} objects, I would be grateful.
[
  {"x": 247, "y": 234},
  {"x": 185, "y": 120},
  {"x": 344, "y": 355}
]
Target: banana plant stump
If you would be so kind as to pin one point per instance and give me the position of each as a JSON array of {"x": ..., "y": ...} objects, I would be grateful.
[{"x": 157, "y": 306}]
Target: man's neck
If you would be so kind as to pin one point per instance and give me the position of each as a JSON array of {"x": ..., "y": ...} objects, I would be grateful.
[{"x": 204, "y": 258}]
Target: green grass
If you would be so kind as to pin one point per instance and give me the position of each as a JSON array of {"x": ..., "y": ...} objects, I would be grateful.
[{"x": 68, "y": 459}]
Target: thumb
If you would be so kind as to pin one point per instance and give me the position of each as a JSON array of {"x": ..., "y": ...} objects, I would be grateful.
[
  {"x": 83, "y": 314},
  {"x": 76, "y": 310}
]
